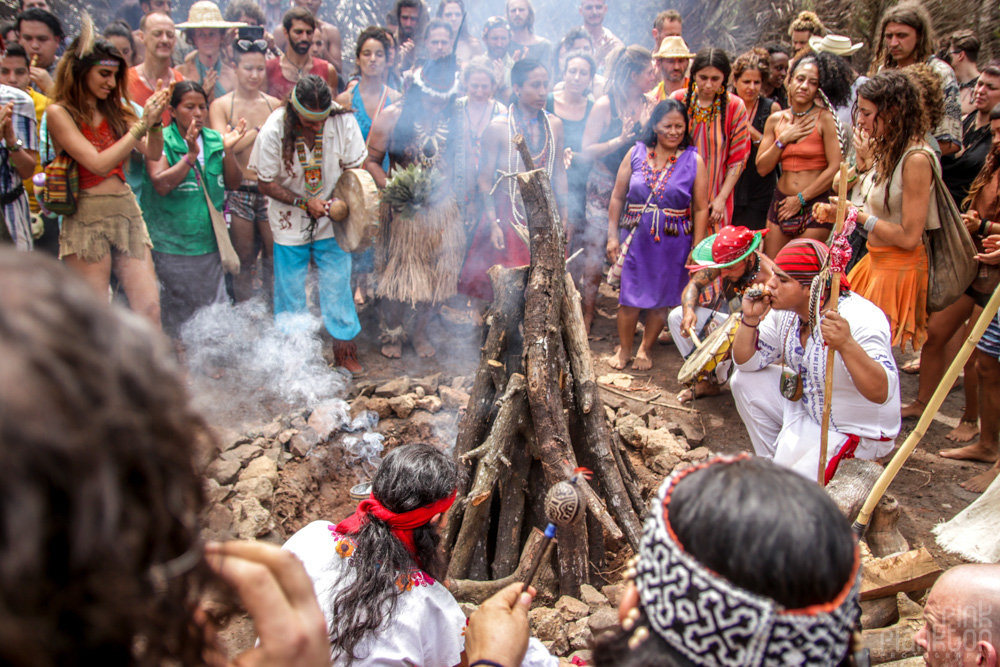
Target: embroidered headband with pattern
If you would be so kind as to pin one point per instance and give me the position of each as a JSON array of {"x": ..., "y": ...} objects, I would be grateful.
[
  {"x": 715, "y": 623},
  {"x": 309, "y": 114}
]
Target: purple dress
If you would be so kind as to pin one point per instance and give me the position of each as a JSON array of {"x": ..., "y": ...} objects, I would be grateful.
[{"x": 653, "y": 273}]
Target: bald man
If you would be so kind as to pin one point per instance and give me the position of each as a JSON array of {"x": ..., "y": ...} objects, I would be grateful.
[{"x": 962, "y": 618}]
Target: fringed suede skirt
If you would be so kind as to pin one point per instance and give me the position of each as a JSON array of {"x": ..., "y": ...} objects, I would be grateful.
[{"x": 103, "y": 222}]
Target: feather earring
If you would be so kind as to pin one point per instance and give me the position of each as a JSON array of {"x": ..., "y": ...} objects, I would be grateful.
[{"x": 85, "y": 42}]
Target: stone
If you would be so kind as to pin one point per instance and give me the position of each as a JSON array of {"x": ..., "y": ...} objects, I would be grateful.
[
  {"x": 402, "y": 405},
  {"x": 393, "y": 388},
  {"x": 546, "y": 624},
  {"x": 429, "y": 383},
  {"x": 303, "y": 442},
  {"x": 697, "y": 454},
  {"x": 228, "y": 438},
  {"x": 380, "y": 406},
  {"x": 602, "y": 620},
  {"x": 453, "y": 398},
  {"x": 419, "y": 392},
  {"x": 261, "y": 467},
  {"x": 328, "y": 417},
  {"x": 251, "y": 519},
  {"x": 218, "y": 522},
  {"x": 431, "y": 403},
  {"x": 559, "y": 646},
  {"x": 271, "y": 431},
  {"x": 571, "y": 609},
  {"x": 592, "y": 597},
  {"x": 663, "y": 464},
  {"x": 298, "y": 422},
  {"x": 224, "y": 472},
  {"x": 358, "y": 405},
  {"x": 581, "y": 657},
  {"x": 628, "y": 426},
  {"x": 609, "y": 414},
  {"x": 215, "y": 493},
  {"x": 242, "y": 454},
  {"x": 661, "y": 441},
  {"x": 579, "y": 635},
  {"x": 614, "y": 592},
  {"x": 256, "y": 487},
  {"x": 286, "y": 435}
]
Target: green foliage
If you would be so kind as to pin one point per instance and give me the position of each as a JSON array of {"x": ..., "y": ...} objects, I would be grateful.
[{"x": 412, "y": 189}]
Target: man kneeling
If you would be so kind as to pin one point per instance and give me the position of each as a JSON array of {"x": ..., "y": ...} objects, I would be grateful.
[{"x": 780, "y": 351}]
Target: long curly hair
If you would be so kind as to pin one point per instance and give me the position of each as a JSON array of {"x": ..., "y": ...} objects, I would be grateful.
[
  {"x": 756, "y": 59},
  {"x": 931, "y": 92},
  {"x": 990, "y": 168},
  {"x": 409, "y": 477},
  {"x": 710, "y": 57},
  {"x": 313, "y": 92},
  {"x": 835, "y": 77},
  {"x": 899, "y": 105},
  {"x": 71, "y": 87},
  {"x": 99, "y": 491},
  {"x": 910, "y": 13}
]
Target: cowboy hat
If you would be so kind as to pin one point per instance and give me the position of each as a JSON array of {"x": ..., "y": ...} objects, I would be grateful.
[
  {"x": 838, "y": 45},
  {"x": 673, "y": 47},
  {"x": 206, "y": 14},
  {"x": 730, "y": 246}
]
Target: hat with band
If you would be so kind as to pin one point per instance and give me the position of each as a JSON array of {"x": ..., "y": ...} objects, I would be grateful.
[{"x": 730, "y": 246}]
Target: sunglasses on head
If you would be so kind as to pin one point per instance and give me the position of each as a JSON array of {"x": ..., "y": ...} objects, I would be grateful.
[{"x": 252, "y": 45}]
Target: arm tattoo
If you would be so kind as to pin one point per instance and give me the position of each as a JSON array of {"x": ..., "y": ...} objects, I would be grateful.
[{"x": 699, "y": 281}]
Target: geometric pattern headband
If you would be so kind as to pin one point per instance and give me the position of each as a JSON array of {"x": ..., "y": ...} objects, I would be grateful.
[
  {"x": 715, "y": 623},
  {"x": 308, "y": 114}
]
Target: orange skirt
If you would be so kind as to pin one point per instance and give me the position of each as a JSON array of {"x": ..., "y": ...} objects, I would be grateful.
[{"x": 895, "y": 280}]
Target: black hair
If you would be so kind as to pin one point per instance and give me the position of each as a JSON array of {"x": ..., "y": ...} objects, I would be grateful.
[
  {"x": 438, "y": 24},
  {"x": 6, "y": 27},
  {"x": 582, "y": 55},
  {"x": 314, "y": 93},
  {"x": 182, "y": 88},
  {"x": 776, "y": 47},
  {"x": 795, "y": 547},
  {"x": 120, "y": 28},
  {"x": 297, "y": 14},
  {"x": 240, "y": 8},
  {"x": 39, "y": 15},
  {"x": 579, "y": 32},
  {"x": 835, "y": 76},
  {"x": 522, "y": 68},
  {"x": 463, "y": 28},
  {"x": 659, "y": 111},
  {"x": 377, "y": 33},
  {"x": 15, "y": 50},
  {"x": 710, "y": 57},
  {"x": 409, "y": 477}
]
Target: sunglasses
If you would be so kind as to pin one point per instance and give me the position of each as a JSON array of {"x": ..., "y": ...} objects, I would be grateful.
[{"x": 254, "y": 45}]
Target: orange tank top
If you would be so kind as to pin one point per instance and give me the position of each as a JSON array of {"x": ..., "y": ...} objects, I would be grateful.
[
  {"x": 807, "y": 154},
  {"x": 102, "y": 138}
]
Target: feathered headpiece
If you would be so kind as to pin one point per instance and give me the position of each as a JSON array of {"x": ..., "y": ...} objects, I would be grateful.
[{"x": 85, "y": 42}]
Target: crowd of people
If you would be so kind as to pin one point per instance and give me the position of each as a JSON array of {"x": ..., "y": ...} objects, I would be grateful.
[{"x": 198, "y": 162}]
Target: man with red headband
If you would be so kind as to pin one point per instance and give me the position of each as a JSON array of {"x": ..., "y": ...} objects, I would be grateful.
[
  {"x": 780, "y": 352},
  {"x": 734, "y": 257}
]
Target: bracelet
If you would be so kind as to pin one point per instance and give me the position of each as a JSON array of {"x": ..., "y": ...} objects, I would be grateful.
[
  {"x": 744, "y": 322},
  {"x": 156, "y": 129},
  {"x": 138, "y": 131},
  {"x": 802, "y": 200},
  {"x": 187, "y": 159},
  {"x": 301, "y": 202},
  {"x": 984, "y": 228},
  {"x": 870, "y": 223},
  {"x": 488, "y": 663},
  {"x": 781, "y": 145}
]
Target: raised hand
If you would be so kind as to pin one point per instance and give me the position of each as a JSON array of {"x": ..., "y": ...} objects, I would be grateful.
[
  {"x": 756, "y": 309},
  {"x": 234, "y": 134},
  {"x": 191, "y": 137}
]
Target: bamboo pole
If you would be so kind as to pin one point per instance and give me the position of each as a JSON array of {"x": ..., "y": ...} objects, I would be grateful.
[
  {"x": 834, "y": 298},
  {"x": 930, "y": 410}
]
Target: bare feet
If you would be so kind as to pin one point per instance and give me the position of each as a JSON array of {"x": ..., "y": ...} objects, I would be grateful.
[
  {"x": 701, "y": 388},
  {"x": 392, "y": 350},
  {"x": 913, "y": 410},
  {"x": 619, "y": 359},
  {"x": 642, "y": 361},
  {"x": 965, "y": 431},
  {"x": 422, "y": 345},
  {"x": 977, "y": 451},
  {"x": 912, "y": 366},
  {"x": 979, "y": 483},
  {"x": 664, "y": 337}
]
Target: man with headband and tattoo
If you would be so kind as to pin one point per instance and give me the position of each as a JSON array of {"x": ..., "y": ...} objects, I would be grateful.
[
  {"x": 300, "y": 153},
  {"x": 781, "y": 349}
]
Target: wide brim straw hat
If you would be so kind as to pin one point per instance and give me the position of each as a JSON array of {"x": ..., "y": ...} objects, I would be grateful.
[
  {"x": 673, "y": 47},
  {"x": 206, "y": 14},
  {"x": 838, "y": 45}
]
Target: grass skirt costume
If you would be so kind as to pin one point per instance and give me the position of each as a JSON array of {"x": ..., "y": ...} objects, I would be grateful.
[{"x": 653, "y": 272}]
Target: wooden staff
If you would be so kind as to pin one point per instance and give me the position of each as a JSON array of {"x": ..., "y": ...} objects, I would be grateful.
[
  {"x": 834, "y": 298},
  {"x": 930, "y": 410}
]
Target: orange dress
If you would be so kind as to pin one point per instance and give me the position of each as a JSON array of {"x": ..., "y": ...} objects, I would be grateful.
[{"x": 894, "y": 279}]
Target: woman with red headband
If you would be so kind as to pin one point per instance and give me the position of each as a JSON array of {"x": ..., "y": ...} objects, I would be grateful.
[{"x": 378, "y": 573}]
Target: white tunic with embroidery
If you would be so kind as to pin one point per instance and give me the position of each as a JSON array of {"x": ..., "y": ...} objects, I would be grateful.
[{"x": 427, "y": 628}]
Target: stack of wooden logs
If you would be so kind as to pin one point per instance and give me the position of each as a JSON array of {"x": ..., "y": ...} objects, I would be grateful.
[{"x": 534, "y": 415}]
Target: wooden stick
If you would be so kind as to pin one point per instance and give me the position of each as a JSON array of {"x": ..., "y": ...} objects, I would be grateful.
[
  {"x": 834, "y": 298},
  {"x": 605, "y": 387},
  {"x": 930, "y": 410}
]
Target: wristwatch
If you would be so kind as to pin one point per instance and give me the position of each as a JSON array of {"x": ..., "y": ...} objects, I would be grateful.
[{"x": 18, "y": 145}]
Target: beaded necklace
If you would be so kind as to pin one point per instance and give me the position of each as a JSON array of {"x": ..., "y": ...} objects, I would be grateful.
[
  {"x": 542, "y": 160},
  {"x": 312, "y": 170},
  {"x": 651, "y": 174},
  {"x": 700, "y": 114}
]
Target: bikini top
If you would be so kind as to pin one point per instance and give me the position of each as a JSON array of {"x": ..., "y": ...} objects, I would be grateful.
[
  {"x": 807, "y": 154},
  {"x": 102, "y": 138}
]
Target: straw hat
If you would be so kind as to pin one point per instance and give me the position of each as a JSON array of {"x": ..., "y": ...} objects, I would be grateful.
[
  {"x": 673, "y": 47},
  {"x": 206, "y": 14},
  {"x": 838, "y": 45}
]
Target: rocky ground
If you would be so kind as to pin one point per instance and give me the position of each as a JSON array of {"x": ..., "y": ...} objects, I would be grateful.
[{"x": 272, "y": 477}]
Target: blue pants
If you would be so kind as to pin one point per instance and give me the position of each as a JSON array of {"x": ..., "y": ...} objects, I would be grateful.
[{"x": 291, "y": 263}]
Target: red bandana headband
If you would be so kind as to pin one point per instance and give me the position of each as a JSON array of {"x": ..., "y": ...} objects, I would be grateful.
[
  {"x": 803, "y": 259},
  {"x": 401, "y": 524}
]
